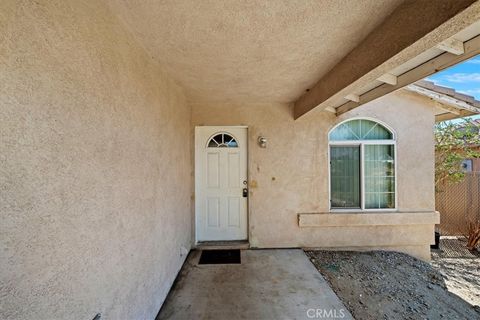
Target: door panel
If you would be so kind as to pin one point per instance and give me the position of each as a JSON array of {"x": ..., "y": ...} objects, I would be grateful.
[
  {"x": 220, "y": 173},
  {"x": 233, "y": 169},
  {"x": 213, "y": 212},
  {"x": 233, "y": 212},
  {"x": 213, "y": 170}
]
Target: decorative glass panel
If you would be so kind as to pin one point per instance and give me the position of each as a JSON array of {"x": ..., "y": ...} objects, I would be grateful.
[
  {"x": 360, "y": 129},
  {"x": 345, "y": 176},
  {"x": 379, "y": 175},
  {"x": 223, "y": 140}
]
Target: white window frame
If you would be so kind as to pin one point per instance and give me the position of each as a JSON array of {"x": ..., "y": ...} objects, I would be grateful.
[{"x": 361, "y": 144}]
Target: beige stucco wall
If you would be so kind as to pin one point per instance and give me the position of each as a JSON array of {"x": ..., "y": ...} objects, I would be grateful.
[
  {"x": 96, "y": 168},
  {"x": 290, "y": 176},
  {"x": 95, "y": 171}
]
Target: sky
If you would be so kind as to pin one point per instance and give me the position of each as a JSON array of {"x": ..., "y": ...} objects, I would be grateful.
[{"x": 463, "y": 77}]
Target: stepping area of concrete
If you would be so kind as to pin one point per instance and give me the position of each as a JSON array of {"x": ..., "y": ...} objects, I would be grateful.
[{"x": 268, "y": 284}]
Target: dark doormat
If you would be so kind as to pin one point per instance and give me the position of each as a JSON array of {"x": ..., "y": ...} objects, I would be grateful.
[{"x": 220, "y": 257}]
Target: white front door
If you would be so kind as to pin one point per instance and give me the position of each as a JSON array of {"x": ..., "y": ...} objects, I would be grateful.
[{"x": 220, "y": 180}]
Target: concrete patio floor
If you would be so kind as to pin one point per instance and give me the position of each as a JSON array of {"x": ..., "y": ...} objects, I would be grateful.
[{"x": 268, "y": 284}]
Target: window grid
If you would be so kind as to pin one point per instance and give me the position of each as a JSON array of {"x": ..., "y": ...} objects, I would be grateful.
[{"x": 222, "y": 140}]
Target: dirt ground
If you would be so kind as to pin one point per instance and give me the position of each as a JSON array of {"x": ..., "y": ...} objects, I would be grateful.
[
  {"x": 390, "y": 285},
  {"x": 459, "y": 267}
]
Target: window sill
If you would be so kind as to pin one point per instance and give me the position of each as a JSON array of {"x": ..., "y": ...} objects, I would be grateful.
[
  {"x": 362, "y": 218},
  {"x": 360, "y": 211}
]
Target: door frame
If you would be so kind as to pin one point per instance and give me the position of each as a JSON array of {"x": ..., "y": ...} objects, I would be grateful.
[{"x": 197, "y": 177}]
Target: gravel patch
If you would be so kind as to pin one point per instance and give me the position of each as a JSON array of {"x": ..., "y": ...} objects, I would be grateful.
[
  {"x": 390, "y": 285},
  {"x": 459, "y": 267}
]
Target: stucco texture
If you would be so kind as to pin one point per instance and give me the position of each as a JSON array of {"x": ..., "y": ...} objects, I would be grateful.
[
  {"x": 95, "y": 167},
  {"x": 250, "y": 50},
  {"x": 290, "y": 176},
  {"x": 96, "y": 144}
]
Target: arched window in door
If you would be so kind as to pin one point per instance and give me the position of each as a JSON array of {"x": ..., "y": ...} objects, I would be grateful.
[{"x": 222, "y": 140}]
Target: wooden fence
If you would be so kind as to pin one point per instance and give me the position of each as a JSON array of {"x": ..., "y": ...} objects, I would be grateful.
[{"x": 458, "y": 203}]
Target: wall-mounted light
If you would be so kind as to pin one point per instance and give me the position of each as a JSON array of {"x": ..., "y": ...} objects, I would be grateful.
[{"x": 262, "y": 142}]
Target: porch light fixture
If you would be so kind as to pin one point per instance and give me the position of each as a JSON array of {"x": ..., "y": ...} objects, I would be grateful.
[{"x": 262, "y": 142}]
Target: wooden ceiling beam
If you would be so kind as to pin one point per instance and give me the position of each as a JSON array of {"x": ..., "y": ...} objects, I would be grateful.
[
  {"x": 452, "y": 45},
  {"x": 388, "y": 79},
  {"x": 413, "y": 27},
  {"x": 443, "y": 61}
]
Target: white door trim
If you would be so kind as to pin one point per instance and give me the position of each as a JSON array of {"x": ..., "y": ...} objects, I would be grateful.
[{"x": 199, "y": 146}]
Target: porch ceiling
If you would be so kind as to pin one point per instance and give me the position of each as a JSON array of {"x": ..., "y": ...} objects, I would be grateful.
[{"x": 250, "y": 51}]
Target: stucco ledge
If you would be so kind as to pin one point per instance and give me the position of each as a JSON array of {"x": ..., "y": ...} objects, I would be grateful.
[{"x": 333, "y": 219}]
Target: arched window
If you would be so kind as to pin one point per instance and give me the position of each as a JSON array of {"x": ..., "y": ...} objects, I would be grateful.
[
  {"x": 360, "y": 129},
  {"x": 362, "y": 166},
  {"x": 222, "y": 140}
]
